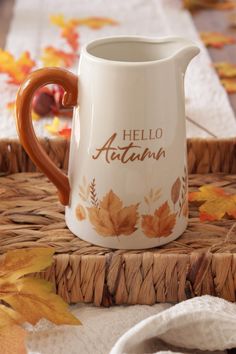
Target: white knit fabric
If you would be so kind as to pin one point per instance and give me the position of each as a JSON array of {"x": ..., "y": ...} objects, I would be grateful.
[
  {"x": 206, "y": 101},
  {"x": 203, "y": 323}
]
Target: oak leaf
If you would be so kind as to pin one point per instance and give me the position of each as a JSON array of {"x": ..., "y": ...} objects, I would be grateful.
[
  {"x": 215, "y": 203},
  {"x": 160, "y": 224},
  {"x": 175, "y": 190},
  {"x": 16, "y": 69},
  {"x": 225, "y": 70},
  {"x": 110, "y": 218},
  {"x": 216, "y": 39}
]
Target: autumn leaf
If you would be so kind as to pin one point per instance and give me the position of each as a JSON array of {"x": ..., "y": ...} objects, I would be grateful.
[
  {"x": 56, "y": 129},
  {"x": 216, "y": 39},
  {"x": 209, "y": 4},
  {"x": 16, "y": 69},
  {"x": 95, "y": 22},
  {"x": 56, "y": 57},
  {"x": 225, "y": 70},
  {"x": 229, "y": 85},
  {"x": 175, "y": 190},
  {"x": 110, "y": 218},
  {"x": 80, "y": 212},
  {"x": 68, "y": 30},
  {"x": 215, "y": 203},
  {"x": 160, "y": 224}
]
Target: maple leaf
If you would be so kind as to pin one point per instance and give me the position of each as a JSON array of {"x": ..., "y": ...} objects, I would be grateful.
[
  {"x": 17, "y": 70},
  {"x": 95, "y": 22},
  {"x": 229, "y": 85},
  {"x": 110, "y": 218},
  {"x": 28, "y": 299},
  {"x": 216, "y": 39},
  {"x": 209, "y": 4},
  {"x": 56, "y": 57},
  {"x": 216, "y": 203},
  {"x": 68, "y": 30},
  {"x": 225, "y": 70},
  {"x": 160, "y": 224}
]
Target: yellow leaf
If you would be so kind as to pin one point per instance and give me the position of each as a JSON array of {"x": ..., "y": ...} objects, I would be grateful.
[
  {"x": 216, "y": 203},
  {"x": 18, "y": 69},
  {"x": 34, "y": 299},
  {"x": 229, "y": 85},
  {"x": 225, "y": 70},
  {"x": 95, "y": 22},
  {"x": 216, "y": 39},
  {"x": 21, "y": 262},
  {"x": 55, "y": 57},
  {"x": 54, "y": 127},
  {"x": 209, "y": 4}
]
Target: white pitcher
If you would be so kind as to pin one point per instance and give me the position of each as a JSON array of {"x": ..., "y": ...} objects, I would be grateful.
[{"x": 127, "y": 180}]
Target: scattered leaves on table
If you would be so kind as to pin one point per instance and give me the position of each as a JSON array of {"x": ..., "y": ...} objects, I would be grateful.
[
  {"x": 160, "y": 224},
  {"x": 225, "y": 69},
  {"x": 57, "y": 57},
  {"x": 215, "y": 203},
  {"x": 209, "y": 4},
  {"x": 27, "y": 299},
  {"x": 16, "y": 69},
  {"x": 216, "y": 39},
  {"x": 68, "y": 30}
]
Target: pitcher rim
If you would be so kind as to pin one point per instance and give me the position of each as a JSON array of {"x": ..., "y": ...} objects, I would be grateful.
[{"x": 86, "y": 47}]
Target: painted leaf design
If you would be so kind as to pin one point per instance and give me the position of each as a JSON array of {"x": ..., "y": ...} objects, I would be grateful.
[
  {"x": 80, "y": 212},
  {"x": 209, "y": 4},
  {"x": 185, "y": 208},
  {"x": 160, "y": 224},
  {"x": 225, "y": 69},
  {"x": 56, "y": 57},
  {"x": 16, "y": 69},
  {"x": 215, "y": 203},
  {"x": 216, "y": 39},
  {"x": 175, "y": 190},
  {"x": 111, "y": 218},
  {"x": 229, "y": 85}
]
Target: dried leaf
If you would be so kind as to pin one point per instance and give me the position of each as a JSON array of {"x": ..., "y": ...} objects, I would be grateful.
[
  {"x": 229, "y": 85},
  {"x": 80, "y": 212},
  {"x": 209, "y": 4},
  {"x": 111, "y": 218},
  {"x": 216, "y": 39},
  {"x": 175, "y": 190},
  {"x": 160, "y": 224},
  {"x": 225, "y": 70},
  {"x": 17, "y": 70},
  {"x": 216, "y": 203},
  {"x": 12, "y": 339},
  {"x": 56, "y": 57}
]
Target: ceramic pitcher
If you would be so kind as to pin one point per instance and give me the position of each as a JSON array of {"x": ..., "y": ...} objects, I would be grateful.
[{"x": 127, "y": 179}]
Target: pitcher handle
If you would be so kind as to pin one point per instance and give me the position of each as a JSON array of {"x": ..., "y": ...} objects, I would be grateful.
[{"x": 25, "y": 128}]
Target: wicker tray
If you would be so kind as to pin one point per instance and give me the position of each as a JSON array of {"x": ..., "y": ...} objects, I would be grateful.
[{"x": 201, "y": 261}]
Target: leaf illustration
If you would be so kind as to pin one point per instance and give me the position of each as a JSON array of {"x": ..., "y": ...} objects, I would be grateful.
[
  {"x": 160, "y": 224},
  {"x": 216, "y": 203},
  {"x": 146, "y": 201},
  {"x": 225, "y": 69},
  {"x": 216, "y": 39},
  {"x": 80, "y": 212},
  {"x": 111, "y": 218},
  {"x": 175, "y": 190}
]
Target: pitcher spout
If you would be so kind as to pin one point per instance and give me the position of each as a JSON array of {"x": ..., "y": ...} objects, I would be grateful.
[{"x": 188, "y": 50}]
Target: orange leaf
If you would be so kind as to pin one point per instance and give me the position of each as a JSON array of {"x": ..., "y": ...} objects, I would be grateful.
[
  {"x": 12, "y": 339},
  {"x": 216, "y": 203},
  {"x": 56, "y": 57},
  {"x": 18, "y": 69},
  {"x": 216, "y": 39},
  {"x": 65, "y": 132},
  {"x": 95, "y": 22},
  {"x": 111, "y": 218},
  {"x": 160, "y": 224},
  {"x": 229, "y": 85},
  {"x": 68, "y": 30},
  {"x": 225, "y": 70}
]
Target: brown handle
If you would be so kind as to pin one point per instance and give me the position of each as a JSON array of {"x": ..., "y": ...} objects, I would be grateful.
[{"x": 26, "y": 132}]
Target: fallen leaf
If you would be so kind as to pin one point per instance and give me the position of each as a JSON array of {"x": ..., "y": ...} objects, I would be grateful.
[
  {"x": 110, "y": 218},
  {"x": 11, "y": 106},
  {"x": 54, "y": 127},
  {"x": 215, "y": 203},
  {"x": 229, "y": 85},
  {"x": 65, "y": 132},
  {"x": 216, "y": 39},
  {"x": 80, "y": 212},
  {"x": 56, "y": 57},
  {"x": 175, "y": 190},
  {"x": 225, "y": 70},
  {"x": 17, "y": 70},
  {"x": 68, "y": 30},
  {"x": 209, "y": 4},
  {"x": 95, "y": 22},
  {"x": 160, "y": 224}
]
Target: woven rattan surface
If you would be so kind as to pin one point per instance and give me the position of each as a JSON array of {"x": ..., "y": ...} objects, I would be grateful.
[{"x": 202, "y": 261}]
